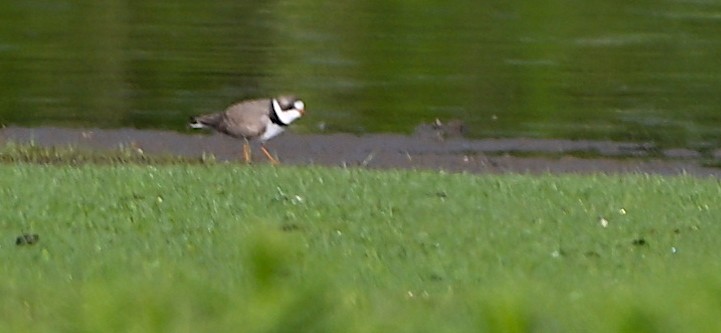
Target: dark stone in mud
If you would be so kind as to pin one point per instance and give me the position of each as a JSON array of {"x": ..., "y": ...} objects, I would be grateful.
[
  {"x": 451, "y": 153},
  {"x": 441, "y": 131}
]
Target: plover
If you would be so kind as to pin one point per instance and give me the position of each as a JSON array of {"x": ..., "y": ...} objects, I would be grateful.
[{"x": 258, "y": 119}]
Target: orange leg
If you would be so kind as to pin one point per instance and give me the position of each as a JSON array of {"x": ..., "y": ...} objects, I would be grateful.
[
  {"x": 246, "y": 151},
  {"x": 268, "y": 155}
]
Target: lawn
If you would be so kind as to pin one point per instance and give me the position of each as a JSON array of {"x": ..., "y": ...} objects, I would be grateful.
[{"x": 175, "y": 247}]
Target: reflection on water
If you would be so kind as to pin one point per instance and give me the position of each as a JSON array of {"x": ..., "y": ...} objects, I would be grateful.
[{"x": 642, "y": 70}]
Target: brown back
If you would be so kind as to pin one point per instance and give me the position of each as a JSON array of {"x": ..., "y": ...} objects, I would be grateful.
[{"x": 246, "y": 119}]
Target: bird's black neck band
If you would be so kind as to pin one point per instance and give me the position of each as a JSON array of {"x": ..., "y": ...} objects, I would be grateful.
[{"x": 274, "y": 116}]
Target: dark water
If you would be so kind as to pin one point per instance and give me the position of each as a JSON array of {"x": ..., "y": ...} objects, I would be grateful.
[{"x": 623, "y": 70}]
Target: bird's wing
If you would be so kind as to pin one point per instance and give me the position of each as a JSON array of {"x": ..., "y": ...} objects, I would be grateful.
[{"x": 247, "y": 119}]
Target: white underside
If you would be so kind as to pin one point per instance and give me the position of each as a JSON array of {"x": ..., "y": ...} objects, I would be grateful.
[
  {"x": 197, "y": 125},
  {"x": 271, "y": 131}
]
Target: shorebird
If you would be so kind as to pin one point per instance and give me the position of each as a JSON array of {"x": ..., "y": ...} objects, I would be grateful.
[{"x": 258, "y": 119}]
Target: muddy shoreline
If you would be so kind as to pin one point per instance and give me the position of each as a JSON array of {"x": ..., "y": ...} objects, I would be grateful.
[{"x": 425, "y": 149}]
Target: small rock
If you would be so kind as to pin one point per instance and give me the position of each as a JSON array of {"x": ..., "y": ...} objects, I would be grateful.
[
  {"x": 639, "y": 242},
  {"x": 441, "y": 131},
  {"x": 27, "y": 239}
]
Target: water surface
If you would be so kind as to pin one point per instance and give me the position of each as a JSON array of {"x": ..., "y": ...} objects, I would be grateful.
[{"x": 639, "y": 71}]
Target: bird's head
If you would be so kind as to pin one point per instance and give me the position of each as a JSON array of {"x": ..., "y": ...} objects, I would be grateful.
[{"x": 288, "y": 108}]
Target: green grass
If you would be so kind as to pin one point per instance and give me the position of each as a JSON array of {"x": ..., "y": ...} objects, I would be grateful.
[
  {"x": 223, "y": 247},
  {"x": 31, "y": 153}
]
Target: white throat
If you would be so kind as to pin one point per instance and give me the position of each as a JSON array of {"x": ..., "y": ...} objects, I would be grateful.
[{"x": 285, "y": 116}]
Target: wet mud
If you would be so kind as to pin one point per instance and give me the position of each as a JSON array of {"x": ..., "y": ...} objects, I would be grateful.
[{"x": 430, "y": 147}]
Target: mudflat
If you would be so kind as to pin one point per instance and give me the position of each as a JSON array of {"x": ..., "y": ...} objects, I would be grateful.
[{"x": 428, "y": 148}]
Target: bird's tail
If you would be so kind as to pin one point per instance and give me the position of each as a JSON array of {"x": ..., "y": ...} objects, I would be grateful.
[
  {"x": 205, "y": 121},
  {"x": 195, "y": 123}
]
